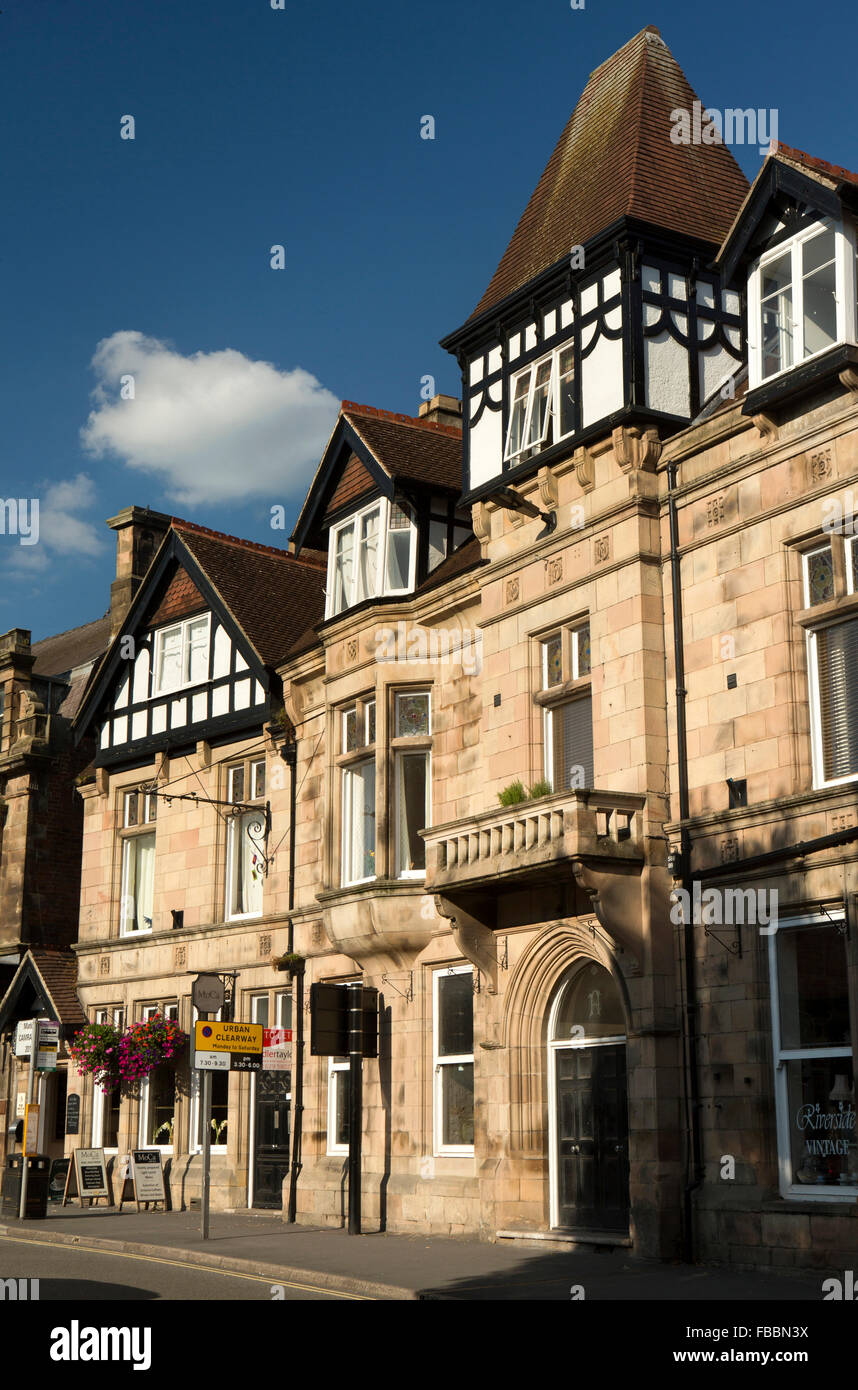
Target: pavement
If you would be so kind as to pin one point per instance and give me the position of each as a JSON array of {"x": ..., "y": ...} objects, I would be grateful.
[{"x": 382, "y": 1266}]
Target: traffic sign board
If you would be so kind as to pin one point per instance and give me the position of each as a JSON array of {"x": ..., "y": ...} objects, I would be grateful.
[{"x": 228, "y": 1037}]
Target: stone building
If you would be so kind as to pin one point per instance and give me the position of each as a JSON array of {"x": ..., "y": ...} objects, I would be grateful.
[
  {"x": 41, "y": 685},
  {"x": 551, "y": 778},
  {"x": 187, "y": 857}
]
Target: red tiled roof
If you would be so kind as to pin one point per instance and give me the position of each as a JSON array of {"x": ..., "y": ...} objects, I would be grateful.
[
  {"x": 406, "y": 447},
  {"x": 67, "y": 650},
  {"x": 58, "y": 971},
  {"x": 615, "y": 158}
]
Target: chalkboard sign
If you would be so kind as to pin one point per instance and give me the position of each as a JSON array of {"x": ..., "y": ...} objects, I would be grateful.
[
  {"x": 87, "y": 1177},
  {"x": 73, "y": 1114},
  {"x": 57, "y": 1183}
]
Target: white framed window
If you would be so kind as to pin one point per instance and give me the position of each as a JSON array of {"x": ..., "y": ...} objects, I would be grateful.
[
  {"x": 157, "y": 1116},
  {"x": 542, "y": 405},
  {"x": 373, "y": 552},
  {"x": 814, "y": 1078},
  {"x": 137, "y": 888},
  {"x": 259, "y": 1009},
  {"x": 412, "y": 780},
  {"x": 567, "y": 719},
  {"x": 245, "y": 850},
  {"x": 832, "y": 663},
  {"x": 453, "y": 1059},
  {"x": 283, "y": 1009},
  {"x": 182, "y": 654},
  {"x": 358, "y": 855},
  {"x": 801, "y": 299},
  {"x": 220, "y": 1106}
]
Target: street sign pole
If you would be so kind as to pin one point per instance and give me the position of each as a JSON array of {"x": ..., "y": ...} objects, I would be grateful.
[
  {"x": 31, "y": 1076},
  {"x": 207, "y": 1148},
  {"x": 355, "y": 998},
  {"x": 298, "y": 1096}
]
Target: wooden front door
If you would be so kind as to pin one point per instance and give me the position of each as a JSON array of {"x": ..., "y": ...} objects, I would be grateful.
[{"x": 592, "y": 1134}]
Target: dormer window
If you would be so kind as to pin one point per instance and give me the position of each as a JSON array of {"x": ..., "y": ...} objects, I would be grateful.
[
  {"x": 370, "y": 554},
  {"x": 542, "y": 405},
  {"x": 797, "y": 305},
  {"x": 182, "y": 654}
]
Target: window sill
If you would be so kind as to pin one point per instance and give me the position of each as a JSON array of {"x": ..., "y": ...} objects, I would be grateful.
[
  {"x": 797, "y": 381},
  {"x": 803, "y": 1202},
  {"x": 132, "y": 935},
  {"x": 844, "y": 607}
]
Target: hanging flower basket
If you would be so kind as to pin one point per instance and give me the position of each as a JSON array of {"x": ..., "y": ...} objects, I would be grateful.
[
  {"x": 95, "y": 1051},
  {"x": 145, "y": 1045}
]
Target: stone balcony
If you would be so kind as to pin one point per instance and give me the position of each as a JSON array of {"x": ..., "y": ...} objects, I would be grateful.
[
  {"x": 535, "y": 840},
  {"x": 575, "y": 853}
]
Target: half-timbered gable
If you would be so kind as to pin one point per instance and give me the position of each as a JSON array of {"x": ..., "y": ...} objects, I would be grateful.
[
  {"x": 603, "y": 309},
  {"x": 385, "y": 502},
  {"x": 791, "y": 255},
  {"x": 196, "y": 655}
]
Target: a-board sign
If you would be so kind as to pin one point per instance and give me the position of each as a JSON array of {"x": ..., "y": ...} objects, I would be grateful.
[
  {"x": 72, "y": 1113},
  {"x": 147, "y": 1175},
  {"x": 57, "y": 1181},
  {"x": 329, "y": 1021},
  {"x": 87, "y": 1176},
  {"x": 277, "y": 1049}
]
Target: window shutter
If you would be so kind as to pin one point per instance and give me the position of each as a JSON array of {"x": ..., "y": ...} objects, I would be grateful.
[
  {"x": 573, "y": 744},
  {"x": 837, "y": 661}
]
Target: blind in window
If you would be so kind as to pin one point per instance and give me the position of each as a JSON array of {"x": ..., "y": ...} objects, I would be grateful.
[
  {"x": 837, "y": 663},
  {"x": 573, "y": 744}
]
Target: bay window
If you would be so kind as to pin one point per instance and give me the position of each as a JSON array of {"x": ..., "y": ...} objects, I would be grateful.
[
  {"x": 814, "y": 1078},
  {"x": 355, "y": 743},
  {"x": 800, "y": 299},
  {"x": 411, "y": 773},
  {"x": 374, "y": 552}
]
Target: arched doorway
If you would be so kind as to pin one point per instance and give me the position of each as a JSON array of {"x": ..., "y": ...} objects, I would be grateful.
[{"x": 588, "y": 1103}]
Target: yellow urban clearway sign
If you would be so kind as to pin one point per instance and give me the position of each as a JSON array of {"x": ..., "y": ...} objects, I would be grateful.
[{"x": 228, "y": 1037}]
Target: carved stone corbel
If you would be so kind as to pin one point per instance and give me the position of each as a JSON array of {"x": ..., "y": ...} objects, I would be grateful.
[
  {"x": 547, "y": 487},
  {"x": 482, "y": 524},
  {"x": 766, "y": 426},
  {"x": 475, "y": 940},
  {"x": 849, "y": 379},
  {"x": 634, "y": 450},
  {"x": 585, "y": 468},
  {"x": 616, "y": 901}
]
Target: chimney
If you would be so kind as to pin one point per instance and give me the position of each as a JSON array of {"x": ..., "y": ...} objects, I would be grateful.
[
  {"x": 442, "y": 410},
  {"x": 139, "y": 533},
  {"x": 16, "y": 668}
]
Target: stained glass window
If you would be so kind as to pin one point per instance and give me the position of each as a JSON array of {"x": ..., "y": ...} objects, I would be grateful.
[
  {"x": 350, "y": 730},
  {"x": 820, "y": 576},
  {"x": 582, "y": 641},
  {"x": 553, "y": 661},
  {"x": 370, "y": 722},
  {"x": 412, "y": 715},
  {"x": 853, "y": 550}
]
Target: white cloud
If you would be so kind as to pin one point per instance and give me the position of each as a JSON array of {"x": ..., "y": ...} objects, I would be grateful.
[
  {"x": 56, "y": 526},
  {"x": 214, "y": 426}
]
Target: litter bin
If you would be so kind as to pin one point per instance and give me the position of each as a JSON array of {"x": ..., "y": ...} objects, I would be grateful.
[{"x": 38, "y": 1180}]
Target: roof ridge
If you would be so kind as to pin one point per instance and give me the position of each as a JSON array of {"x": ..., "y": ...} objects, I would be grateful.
[
  {"x": 375, "y": 412},
  {"x": 242, "y": 542},
  {"x": 777, "y": 147}
]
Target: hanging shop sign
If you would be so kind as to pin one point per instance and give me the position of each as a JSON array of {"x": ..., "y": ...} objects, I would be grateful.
[{"x": 277, "y": 1049}]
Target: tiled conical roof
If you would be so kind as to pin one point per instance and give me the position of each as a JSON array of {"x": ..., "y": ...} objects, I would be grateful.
[{"x": 615, "y": 158}]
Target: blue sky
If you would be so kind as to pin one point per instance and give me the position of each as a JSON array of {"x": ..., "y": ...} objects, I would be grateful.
[{"x": 298, "y": 127}]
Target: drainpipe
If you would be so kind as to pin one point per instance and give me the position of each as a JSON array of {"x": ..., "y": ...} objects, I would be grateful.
[
  {"x": 290, "y": 755},
  {"x": 693, "y": 1148}
]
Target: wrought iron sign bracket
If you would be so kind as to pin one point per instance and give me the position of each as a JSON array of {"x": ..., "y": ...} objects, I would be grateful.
[
  {"x": 406, "y": 994},
  {"x": 736, "y": 948}
]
